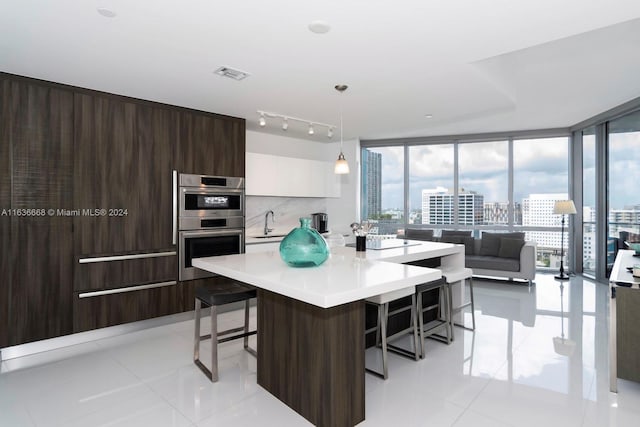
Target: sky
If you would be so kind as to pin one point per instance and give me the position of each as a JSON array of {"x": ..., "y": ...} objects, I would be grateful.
[{"x": 540, "y": 167}]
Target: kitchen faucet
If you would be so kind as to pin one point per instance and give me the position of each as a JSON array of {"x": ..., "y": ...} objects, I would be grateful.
[{"x": 266, "y": 218}]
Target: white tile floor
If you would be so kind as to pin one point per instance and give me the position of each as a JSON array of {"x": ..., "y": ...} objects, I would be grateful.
[{"x": 507, "y": 373}]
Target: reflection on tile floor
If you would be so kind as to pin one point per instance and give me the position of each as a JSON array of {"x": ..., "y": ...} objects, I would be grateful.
[{"x": 535, "y": 359}]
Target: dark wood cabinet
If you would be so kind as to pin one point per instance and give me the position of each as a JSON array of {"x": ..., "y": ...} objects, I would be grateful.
[
  {"x": 130, "y": 272},
  {"x": 124, "y": 158},
  {"x": 104, "y": 164},
  {"x": 5, "y": 204},
  {"x": 211, "y": 144},
  {"x": 93, "y": 312},
  {"x": 41, "y": 140}
]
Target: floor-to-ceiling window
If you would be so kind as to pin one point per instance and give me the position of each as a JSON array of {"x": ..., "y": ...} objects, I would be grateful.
[
  {"x": 589, "y": 209},
  {"x": 506, "y": 183},
  {"x": 483, "y": 183},
  {"x": 431, "y": 184},
  {"x": 382, "y": 192},
  {"x": 624, "y": 175},
  {"x": 540, "y": 178}
]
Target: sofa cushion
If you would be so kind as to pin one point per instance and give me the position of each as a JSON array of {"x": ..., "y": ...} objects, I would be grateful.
[
  {"x": 492, "y": 263},
  {"x": 467, "y": 241},
  {"x": 510, "y": 248},
  {"x": 490, "y": 245},
  {"x": 418, "y": 234}
]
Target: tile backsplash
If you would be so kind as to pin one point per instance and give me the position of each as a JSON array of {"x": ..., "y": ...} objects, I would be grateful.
[{"x": 287, "y": 210}]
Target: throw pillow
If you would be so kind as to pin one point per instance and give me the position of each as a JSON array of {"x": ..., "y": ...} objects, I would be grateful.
[
  {"x": 418, "y": 234},
  {"x": 452, "y": 239},
  {"x": 469, "y": 245},
  {"x": 510, "y": 248},
  {"x": 463, "y": 233},
  {"x": 467, "y": 241},
  {"x": 490, "y": 245}
]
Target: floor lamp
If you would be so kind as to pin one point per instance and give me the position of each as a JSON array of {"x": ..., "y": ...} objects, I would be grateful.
[{"x": 563, "y": 207}]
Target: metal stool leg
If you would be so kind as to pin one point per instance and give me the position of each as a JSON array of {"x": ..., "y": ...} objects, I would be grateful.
[
  {"x": 473, "y": 308},
  {"x": 383, "y": 339},
  {"x": 416, "y": 352},
  {"x": 465, "y": 305},
  {"x": 214, "y": 343},
  {"x": 448, "y": 298},
  {"x": 246, "y": 324},
  {"x": 420, "y": 323},
  {"x": 196, "y": 341}
]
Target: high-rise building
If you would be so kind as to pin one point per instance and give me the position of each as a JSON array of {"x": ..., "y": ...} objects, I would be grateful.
[
  {"x": 498, "y": 213},
  {"x": 372, "y": 184},
  {"x": 537, "y": 211},
  {"x": 626, "y": 219},
  {"x": 437, "y": 207}
]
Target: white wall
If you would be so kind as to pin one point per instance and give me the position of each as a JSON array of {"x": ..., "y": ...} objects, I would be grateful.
[{"x": 342, "y": 211}]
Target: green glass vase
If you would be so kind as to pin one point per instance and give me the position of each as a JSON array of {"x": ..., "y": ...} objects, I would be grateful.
[{"x": 304, "y": 246}]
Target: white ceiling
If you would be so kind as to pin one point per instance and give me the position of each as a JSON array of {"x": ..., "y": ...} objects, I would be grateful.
[{"x": 476, "y": 65}]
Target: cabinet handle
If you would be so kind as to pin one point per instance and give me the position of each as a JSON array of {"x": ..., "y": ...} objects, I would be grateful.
[
  {"x": 174, "y": 218},
  {"x": 127, "y": 289},
  {"x": 125, "y": 257}
]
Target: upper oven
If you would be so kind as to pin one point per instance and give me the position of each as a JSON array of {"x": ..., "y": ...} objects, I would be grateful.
[{"x": 203, "y": 196}]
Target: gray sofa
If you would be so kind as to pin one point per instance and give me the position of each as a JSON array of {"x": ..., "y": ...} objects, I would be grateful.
[{"x": 505, "y": 255}]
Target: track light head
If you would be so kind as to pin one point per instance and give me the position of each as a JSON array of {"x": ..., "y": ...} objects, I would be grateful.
[
  {"x": 330, "y": 133},
  {"x": 262, "y": 120},
  {"x": 285, "y": 124},
  {"x": 311, "y": 131}
]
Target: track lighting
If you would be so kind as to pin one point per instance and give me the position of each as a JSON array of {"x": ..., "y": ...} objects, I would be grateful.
[{"x": 311, "y": 130}]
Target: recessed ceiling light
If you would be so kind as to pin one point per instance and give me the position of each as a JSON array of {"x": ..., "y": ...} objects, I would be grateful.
[
  {"x": 428, "y": 116},
  {"x": 107, "y": 13},
  {"x": 319, "y": 27}
]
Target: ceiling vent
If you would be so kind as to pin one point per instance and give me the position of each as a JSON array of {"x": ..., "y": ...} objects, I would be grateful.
[{"x": 231, "y": 73}]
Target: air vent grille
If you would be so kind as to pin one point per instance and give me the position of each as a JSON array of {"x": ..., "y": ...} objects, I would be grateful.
[{"x": 231, "y": 73}]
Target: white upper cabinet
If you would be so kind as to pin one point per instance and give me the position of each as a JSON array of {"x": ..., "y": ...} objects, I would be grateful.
[{"x": 269, "y": 175}]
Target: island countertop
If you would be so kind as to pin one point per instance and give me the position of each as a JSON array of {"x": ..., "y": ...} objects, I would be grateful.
[{"x": 345, "y": 277}]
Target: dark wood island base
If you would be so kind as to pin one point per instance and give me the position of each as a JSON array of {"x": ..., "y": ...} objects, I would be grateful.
[{"x": 312, "y": 358}]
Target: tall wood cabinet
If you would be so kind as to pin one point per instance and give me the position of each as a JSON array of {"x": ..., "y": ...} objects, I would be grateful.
[
  {"x": 5, "y": 203},
  {"x": 124, "y": 157},
  {"x": 107, "y": 161},
  {"x": 38, "y": 130}
]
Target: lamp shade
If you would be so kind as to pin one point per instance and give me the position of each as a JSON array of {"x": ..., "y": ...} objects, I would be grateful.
[
  {"x": 341, "y": 167},
  {"x": 563, "y": 207}
]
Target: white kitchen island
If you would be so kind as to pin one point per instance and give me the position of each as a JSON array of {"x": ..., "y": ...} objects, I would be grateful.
[{"x": 311, "y": 321}]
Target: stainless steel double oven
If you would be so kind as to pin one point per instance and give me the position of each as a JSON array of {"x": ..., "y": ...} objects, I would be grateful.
[{"x": 210, "y": 219}]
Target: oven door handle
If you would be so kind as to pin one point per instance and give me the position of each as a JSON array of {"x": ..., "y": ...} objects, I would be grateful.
[{"x": 201, "y": 233}]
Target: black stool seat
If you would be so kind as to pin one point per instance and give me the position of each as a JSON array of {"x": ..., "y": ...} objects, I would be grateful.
[{"x": 225, "y": 293}]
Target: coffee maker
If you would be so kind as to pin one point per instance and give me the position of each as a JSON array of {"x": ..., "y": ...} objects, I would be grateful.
[{"x": 320, "y": 221}]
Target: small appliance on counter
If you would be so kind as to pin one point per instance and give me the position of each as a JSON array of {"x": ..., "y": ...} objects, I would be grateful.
[{"x": 320, "y": 221}]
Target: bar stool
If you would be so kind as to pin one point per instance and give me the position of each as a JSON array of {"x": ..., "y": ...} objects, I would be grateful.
[
  {"x": 441, "y": 307},
  {"x": 224, "y": 292},
  {"x": 382, "y": 304},
  {"x": 452, "y": 275}
]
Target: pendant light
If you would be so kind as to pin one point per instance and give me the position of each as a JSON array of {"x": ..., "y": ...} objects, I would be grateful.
[{"x": 341, "y": 167}]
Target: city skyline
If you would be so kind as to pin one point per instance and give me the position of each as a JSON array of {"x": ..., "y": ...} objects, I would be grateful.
[{"x": 540, "y": 166}]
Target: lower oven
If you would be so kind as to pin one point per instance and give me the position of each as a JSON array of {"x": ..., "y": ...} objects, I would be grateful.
[{"x": 205, "y": 243}]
